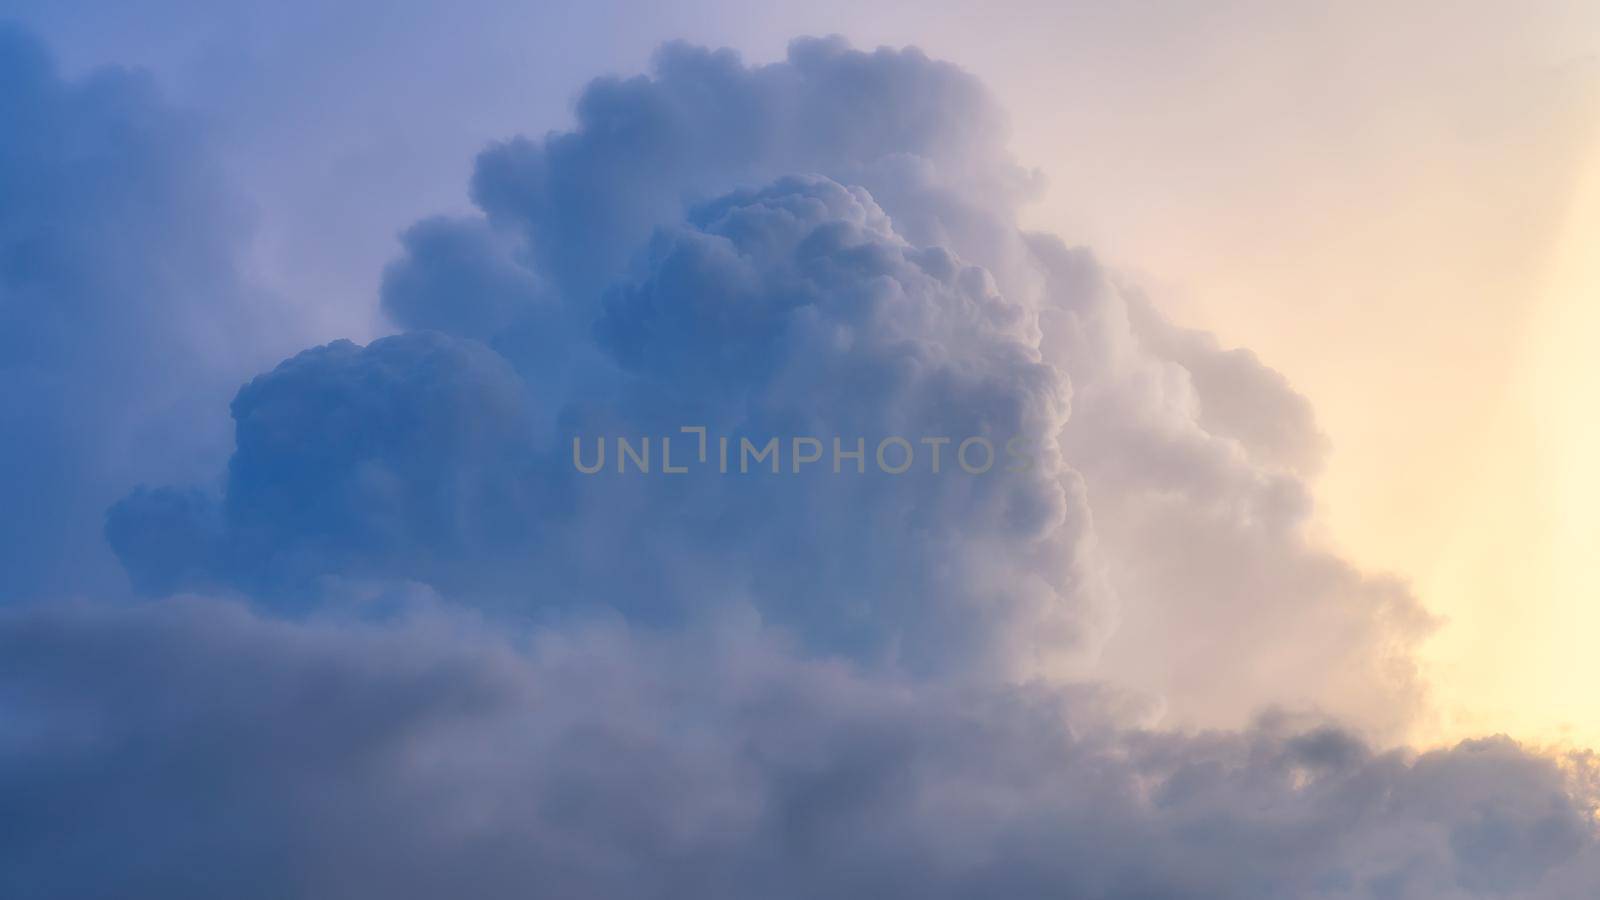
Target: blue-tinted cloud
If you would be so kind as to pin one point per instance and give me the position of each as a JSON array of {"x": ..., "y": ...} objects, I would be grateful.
[
  {"x": 643, "y": 147},
  {"x": 411, "y": 458},
  {"x": 123, "y": 325},
  {"x": 459, "y": 276},
  {"x": 791, "y": 311}
]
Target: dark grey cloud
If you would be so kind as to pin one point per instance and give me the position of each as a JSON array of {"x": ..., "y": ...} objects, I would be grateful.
[{"x": 208, "y": 751}]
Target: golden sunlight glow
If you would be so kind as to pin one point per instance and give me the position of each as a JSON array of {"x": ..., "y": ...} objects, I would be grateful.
[{"x": 1521, "y": 581}]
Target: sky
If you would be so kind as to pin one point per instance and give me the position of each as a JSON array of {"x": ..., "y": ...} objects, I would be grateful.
[{"x": 1290, "y": 305}]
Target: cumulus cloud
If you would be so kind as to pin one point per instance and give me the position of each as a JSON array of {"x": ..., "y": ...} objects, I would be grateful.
[
  {"x": 790, "y": 311},
  {"x": 123, "y": 324},
  {"x": 657, "y": 266},
  {"x": 405, "y": 459},
  {"x": 463, "y": 665}
]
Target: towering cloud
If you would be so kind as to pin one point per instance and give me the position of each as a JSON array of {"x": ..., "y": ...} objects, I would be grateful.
[
  {"x": 645, "y": 271},
  {"x": 458, "y": 663}
]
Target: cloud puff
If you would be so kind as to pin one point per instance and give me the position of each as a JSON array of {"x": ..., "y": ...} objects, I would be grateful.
[
  {"x": 793, "y": 311},
  {"x": 460, "y": 276},
  {"x": 122, "y": 322},
  {"x": 642, "y": 146},
  {"x": 409, "y": 458}
]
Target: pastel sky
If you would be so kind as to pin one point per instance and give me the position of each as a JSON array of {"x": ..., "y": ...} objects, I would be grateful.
[{"x": 303, "y": 305}]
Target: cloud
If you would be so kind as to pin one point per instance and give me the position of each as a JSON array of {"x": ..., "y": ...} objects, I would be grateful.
[
  {"x": 786, "y": 312},
  {"x": 123, "y": 323},
  {"x": 408, "y": 458},
  {"x": 459, "y": 276},
  {"x": 704, "y": 123},
  {"x": 455, "y": 663},
  {"x": 193, "y": 748},
  {"x": 659, "y": 266},
  {"x": 1195, "y": 462}
]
